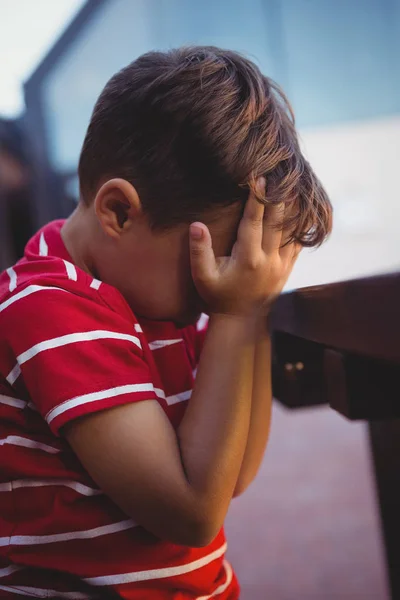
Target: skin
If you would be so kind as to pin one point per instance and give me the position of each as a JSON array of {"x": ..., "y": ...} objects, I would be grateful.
[
  {"x": 151, "y": 269},
  {"x": 178, "y": 485}
]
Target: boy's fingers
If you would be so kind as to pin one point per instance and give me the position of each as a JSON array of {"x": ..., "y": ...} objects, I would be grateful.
[
  {"x": 250, "y": 232},
  {"x": 290, "y": 252},
  {"x": 202, "y": 257},
  {"x": 272, "y": 238}
]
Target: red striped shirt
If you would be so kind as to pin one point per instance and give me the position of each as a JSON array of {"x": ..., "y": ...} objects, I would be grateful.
[{"x": 70, "y": 346}]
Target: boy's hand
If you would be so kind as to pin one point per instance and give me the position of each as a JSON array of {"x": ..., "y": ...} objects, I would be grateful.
[{"x": 253, "y": 276}]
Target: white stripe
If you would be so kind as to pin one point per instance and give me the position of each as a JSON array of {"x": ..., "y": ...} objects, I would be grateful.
[
  {"x": 202, "y": 322},
  {"x": 221, "y": 588},
  {"x": 14, "y": 374},
  {"x": 95, "y": 284},
  {"x": 71, "y": 271},
  {"x": 43, "y": 248},
  {"x": 178, "y": 397},
  {"x": 64, "y": 340},
  {"x": 10, "y": 570},
  {"x": 13, "y": 279},
  {"x": 31, "y": 483},
  {"x": 31, "y": 289},
  {"x": 138, "y": 328},
  {"x": 18, "y": 591},
  {"x": 162, "y": 343},
  {"x": 16, "y": 440},
  {"x": 102, "y": 395},
  {"x": 157, "y": 573},
  {"x": 12, "y": 402},
  {"x": 27, "y": 540},
  {"x": 45, "y": 593}
]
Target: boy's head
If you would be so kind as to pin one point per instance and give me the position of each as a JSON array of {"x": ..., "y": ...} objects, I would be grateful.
[{"x": 182, "y": 136}]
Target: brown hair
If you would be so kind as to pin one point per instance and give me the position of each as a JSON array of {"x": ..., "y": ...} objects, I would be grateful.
[{"x": 193, "y": 129}]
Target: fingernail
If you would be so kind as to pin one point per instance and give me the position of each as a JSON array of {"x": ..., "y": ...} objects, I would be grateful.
[{"x": 196, "y": 232}]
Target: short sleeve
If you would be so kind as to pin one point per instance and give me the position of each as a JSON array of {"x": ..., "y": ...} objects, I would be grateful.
[{"x": 73, "y": 356}]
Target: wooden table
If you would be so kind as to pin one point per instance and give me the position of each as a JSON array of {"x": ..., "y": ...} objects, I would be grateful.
[{"x": 340, "y": 344}]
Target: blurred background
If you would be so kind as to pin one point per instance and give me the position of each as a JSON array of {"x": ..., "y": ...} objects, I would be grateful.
[{"x": 308, "y": 528}]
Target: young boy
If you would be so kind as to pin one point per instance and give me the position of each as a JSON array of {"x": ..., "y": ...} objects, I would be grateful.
[{"x": 120, "y": 449}]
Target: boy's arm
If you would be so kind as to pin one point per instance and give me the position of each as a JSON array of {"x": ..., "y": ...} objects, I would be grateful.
[
  {"x": 261, "y": 407},
  {"x": 178, "y": 486}
]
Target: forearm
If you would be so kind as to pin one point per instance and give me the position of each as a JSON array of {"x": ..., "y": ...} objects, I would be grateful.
[
  {"x": 214, "y": 430},
  {"x": 261, "y": 404}
]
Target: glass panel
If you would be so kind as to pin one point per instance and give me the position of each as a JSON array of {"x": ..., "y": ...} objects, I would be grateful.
[
  {"x": 342, "y": 58},
  {"x": 120, "y": 31},
  {"x": 338, "y": 62},
  {"x": 248, "y": 27},
  {"x": 344, "y": 80}
]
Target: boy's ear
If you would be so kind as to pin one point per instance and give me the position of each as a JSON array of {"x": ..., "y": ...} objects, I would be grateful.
[{"x": 117, "y": 205}]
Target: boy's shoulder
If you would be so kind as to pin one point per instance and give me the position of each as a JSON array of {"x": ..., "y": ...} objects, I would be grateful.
[
  {"x": 46, "y": 274},
  {"x": 46, "y": 291}
]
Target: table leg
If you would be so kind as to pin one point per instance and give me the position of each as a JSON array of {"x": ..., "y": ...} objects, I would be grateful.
[{"x": 385, "y": 446}]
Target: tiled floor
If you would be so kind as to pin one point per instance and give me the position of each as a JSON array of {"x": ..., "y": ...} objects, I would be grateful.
[{"x": 307, "y": 528}]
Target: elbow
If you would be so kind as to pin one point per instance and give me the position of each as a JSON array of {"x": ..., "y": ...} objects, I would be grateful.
[
  {"x": 202, "y": 540},
  {"x": 202, "y": 524},
  {"x": 201, "y": 533},
  {"x": 192, "y": 530},
  {"x": 195, "y": 527},
  {"x": 202, "y": 521}
]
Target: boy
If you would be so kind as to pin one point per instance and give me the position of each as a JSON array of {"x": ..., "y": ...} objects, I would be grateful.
[{"x": 194, "y": 197}]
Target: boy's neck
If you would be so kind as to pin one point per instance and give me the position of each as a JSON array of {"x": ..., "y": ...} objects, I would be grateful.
[{"x": 77, "y": 234}]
